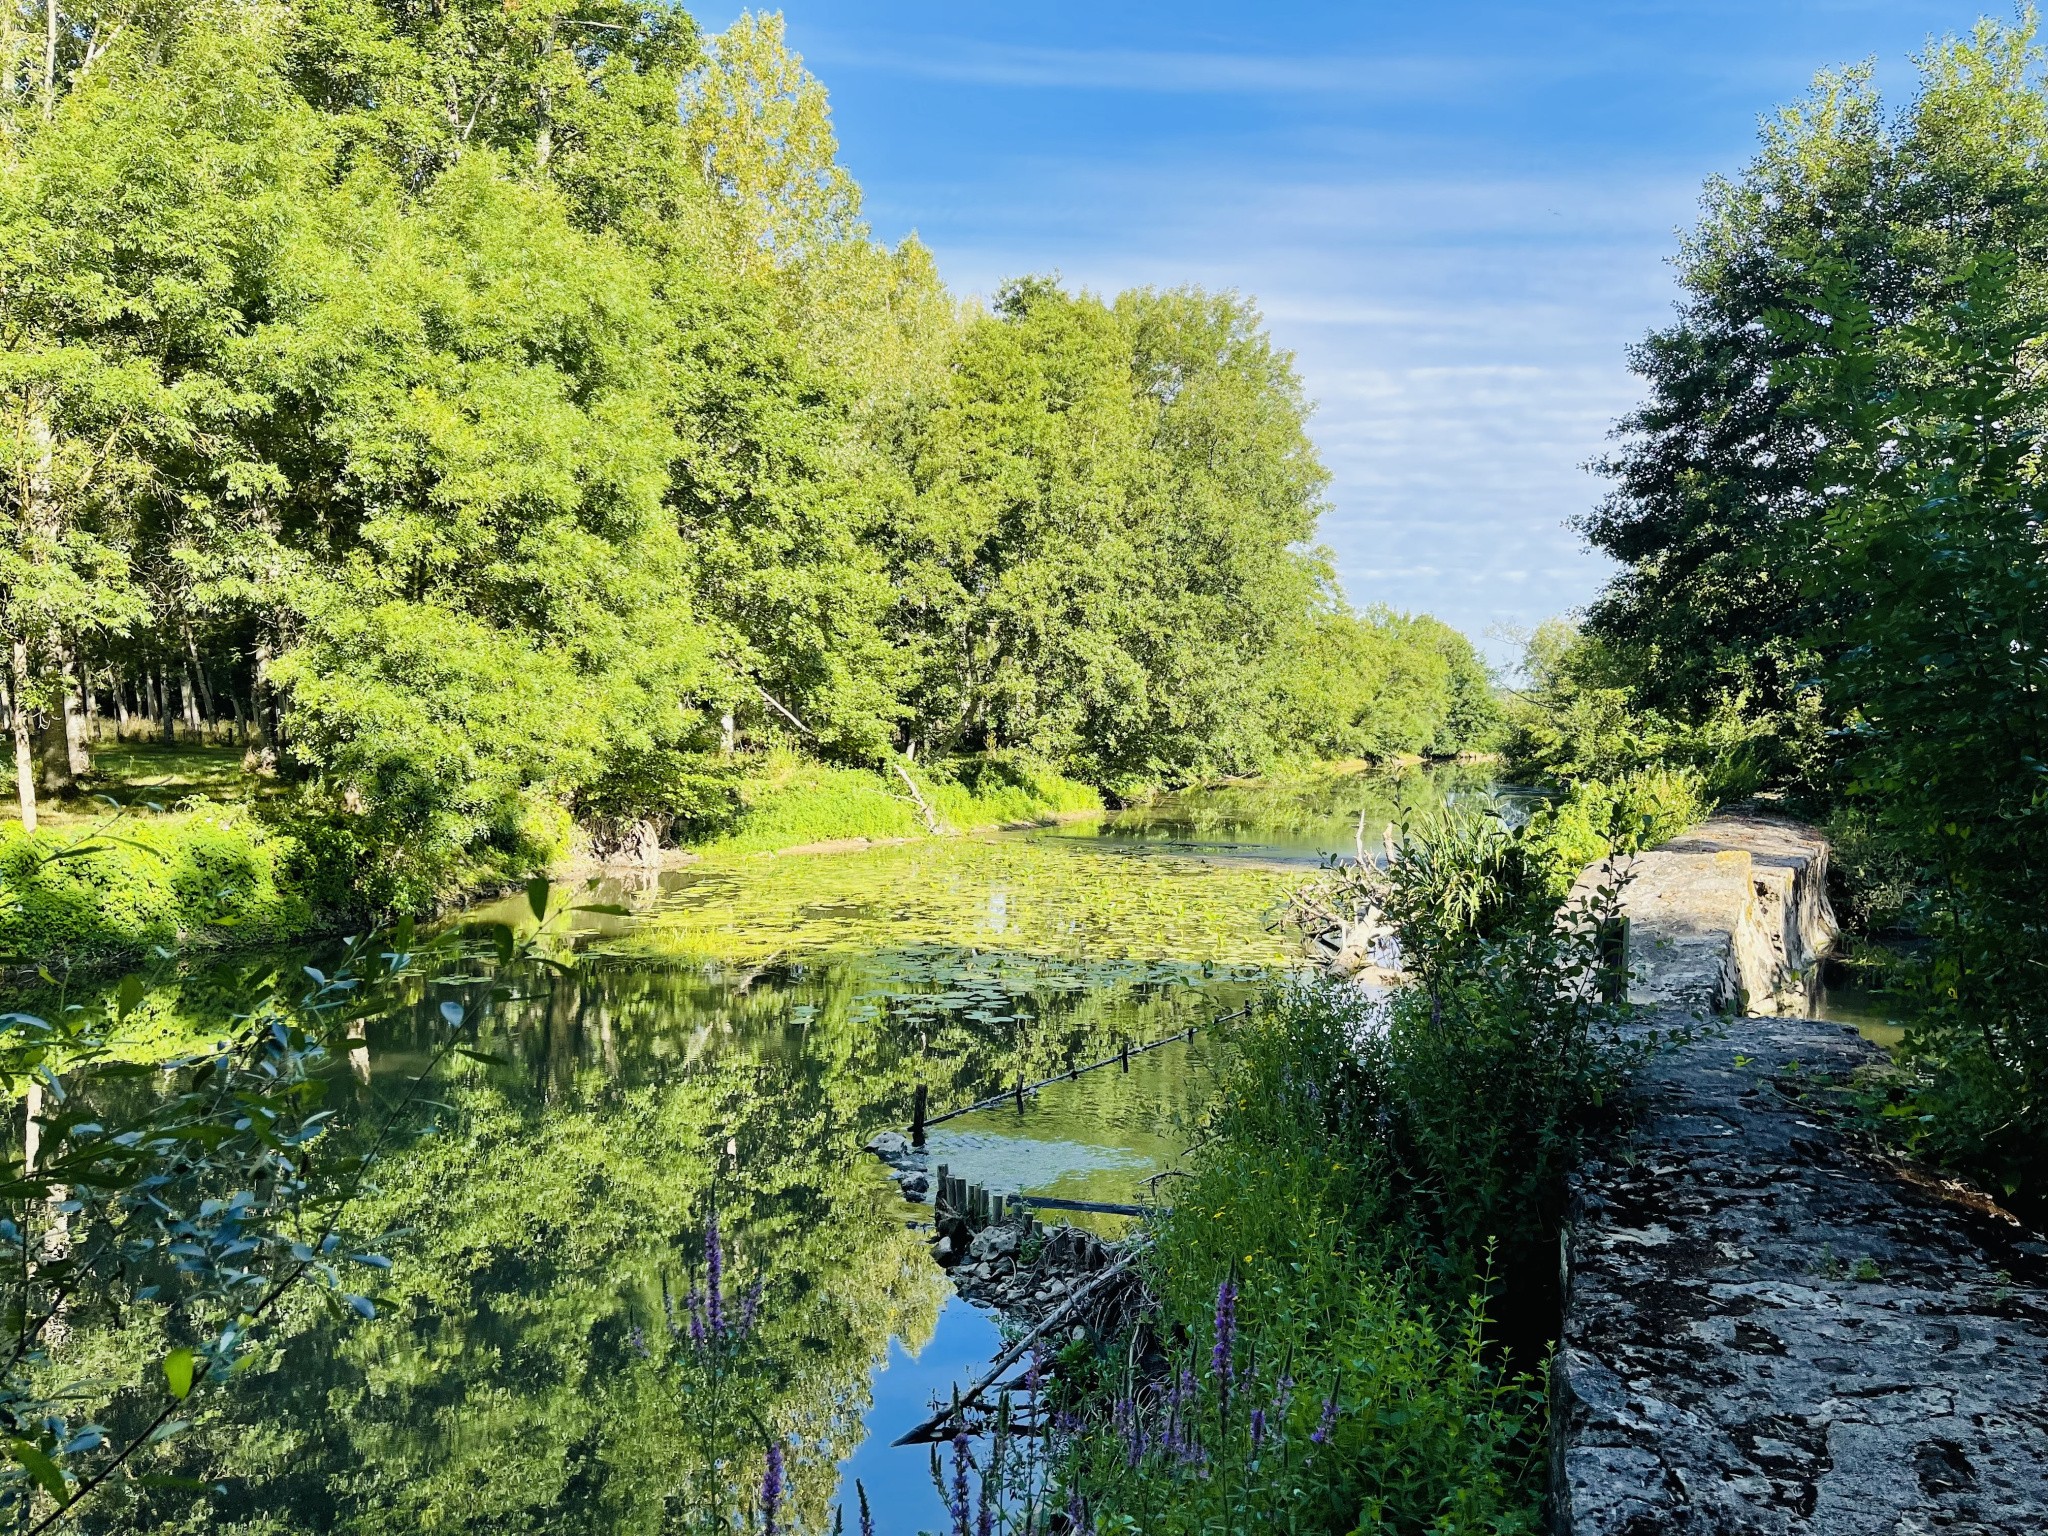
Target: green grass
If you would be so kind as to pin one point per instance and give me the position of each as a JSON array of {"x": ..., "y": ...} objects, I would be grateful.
[
  {"x": 204, "y": 876},
  {"x": 791, "y": 802}
]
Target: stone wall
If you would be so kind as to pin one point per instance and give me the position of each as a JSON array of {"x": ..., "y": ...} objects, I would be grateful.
[{"x": 1732, "y": 918}]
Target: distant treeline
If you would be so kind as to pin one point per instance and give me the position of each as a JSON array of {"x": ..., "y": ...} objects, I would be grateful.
[{"x": 502, "y": 415}]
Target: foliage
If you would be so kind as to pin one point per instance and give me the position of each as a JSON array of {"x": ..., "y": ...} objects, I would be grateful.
[
  {"x": 183, "y": 1199},
  {"x": 1580, "y": 720},
  {"x": 503, "y": 446},
  {"x": 1636, "y": 811},
  {"x": 1346, "y": 1402},
  {"x": 198, "y": 876},
  {"x": 1934, "y": 511},
  {"x": 1377, "y": 1200}
]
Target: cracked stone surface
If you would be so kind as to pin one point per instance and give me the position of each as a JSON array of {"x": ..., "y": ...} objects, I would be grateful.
[{"x": 1770, "y": 1332}]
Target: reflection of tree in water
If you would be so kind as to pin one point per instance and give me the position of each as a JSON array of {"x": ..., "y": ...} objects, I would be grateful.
[{"x": 501, "y": 1389}]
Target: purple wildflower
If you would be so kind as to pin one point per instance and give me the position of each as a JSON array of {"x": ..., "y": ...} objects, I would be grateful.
[
  {"x": 1322, "y": 1434},
  {"x": 1226, "y": 1331},
  {"x": 714, "y": 1277},
  {"x": 668, "y": 1308},
  {"x": 962, "y": 1507},
  {"x": 750, "y": 1309},
  {"x": 771, "y": 1491},
  {"x": 867, "y": 1517},
  {"x": 695, "y": 1307},
  {"x": 639, "y": 1342},
  {"x": 1258, "y": 1427},
  {"x": 1283, "y": 1396}
]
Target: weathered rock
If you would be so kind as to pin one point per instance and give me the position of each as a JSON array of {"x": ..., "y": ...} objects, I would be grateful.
[
  {"x": 996, "y": 1243},
  {"x": 1733, "y": 917},
  {"x": 890, "y": 1146},
  {"x": 1770, "y": 1332}
]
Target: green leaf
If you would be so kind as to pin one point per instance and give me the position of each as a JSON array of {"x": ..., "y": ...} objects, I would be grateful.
[
  {"x": 401, "y": 934},
  {"x": 483, "y": 1056},
  {"x": 179, "y": 1366},
  {"x": 607, "y": 908},
  {"x": 128, "y": 996},
  {"x": 39, "y": 1466},
  {"x": 537, "y": 897},
  {"x": 501, "y": 936}
]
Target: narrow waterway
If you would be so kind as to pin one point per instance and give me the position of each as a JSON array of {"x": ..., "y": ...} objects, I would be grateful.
[{"x": 728, "y": 1046}]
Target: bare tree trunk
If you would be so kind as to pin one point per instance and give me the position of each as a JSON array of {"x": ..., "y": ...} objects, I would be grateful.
[
  {"x": 119, "y": 690},
  {"x": 194, "y": 717},
  {"x": 206, "y": 699},
  {"x": 88, "y": 696},
  {"x": 24, "y": 750},
  {"x": 163, "y": 689}
]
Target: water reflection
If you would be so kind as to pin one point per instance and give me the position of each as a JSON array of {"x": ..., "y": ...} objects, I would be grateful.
[{"x": 730, "y": 1044}]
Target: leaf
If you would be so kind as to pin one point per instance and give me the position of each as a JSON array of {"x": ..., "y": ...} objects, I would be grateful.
[
  {"x": 179, "y": 1366},
  {"x": 501, "y": 936},
  {"x": 605, "y": 908},
  {"x": 451, "y": 1015},
  {"x": 363, "y": 1306},
  {"x": 401, "y": 934},
  {"x": 42, "y": 1469},
  {"x": 483, "y": 1056},
  {"x": 128, "y": 995},
  {"x": 537, "y": 897}
]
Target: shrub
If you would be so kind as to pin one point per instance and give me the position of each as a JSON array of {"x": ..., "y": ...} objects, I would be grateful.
[
  {"x": 206, "y": 874},
  {"x": 1372, "y": 1221},
  {"x": 1632, "y": 812}
]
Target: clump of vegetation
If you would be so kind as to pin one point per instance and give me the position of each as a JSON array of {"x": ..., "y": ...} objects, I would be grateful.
[
  {"x": 1828, "y": 514},
  {"x": 1359, "y": 1279},
  {"x": 789, "y": 800},
  {"x": 1634, "y": 811},
  {"x": 203, "y": 875}
]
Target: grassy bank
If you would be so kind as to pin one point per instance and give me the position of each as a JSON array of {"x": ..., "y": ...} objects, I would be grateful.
[
  {"x": 789, "y": 801},
  {"x": 204, "y": 876}
]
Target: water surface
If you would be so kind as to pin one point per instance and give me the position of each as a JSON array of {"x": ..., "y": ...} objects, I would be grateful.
[{"x": 729, "y": 1046}]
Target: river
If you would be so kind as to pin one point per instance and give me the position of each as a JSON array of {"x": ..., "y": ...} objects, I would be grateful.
[{"x": 730, "y": 1043}]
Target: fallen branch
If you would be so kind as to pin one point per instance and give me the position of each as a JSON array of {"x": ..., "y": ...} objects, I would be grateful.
[{"x": 928, "y": 1431}]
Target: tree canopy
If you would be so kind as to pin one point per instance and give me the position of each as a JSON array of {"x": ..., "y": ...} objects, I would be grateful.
[{"x": 504, "y": 412}]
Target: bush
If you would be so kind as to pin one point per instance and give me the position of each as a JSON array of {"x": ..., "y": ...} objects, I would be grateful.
[
  {"x": 207, "y": 874},
  {"x": 1371, "y": 1223},
  {"x": 1634, "y": 811}
]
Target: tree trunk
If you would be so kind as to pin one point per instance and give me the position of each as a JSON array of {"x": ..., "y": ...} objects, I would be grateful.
[
  {"x": 89, "y": 697},
  {"x": 206, "y": 699},
  {"x": 118, "y": 687},
  {"x": 64, "y": 755},
  {"x": 163, "y": 692},
  {"x": 193, "y": 718},
  {"x": 261, "y": 699},
  {"x": 24, "y": 751}
]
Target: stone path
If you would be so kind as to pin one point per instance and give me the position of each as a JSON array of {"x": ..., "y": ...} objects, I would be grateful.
[{"x": 1768, "y": 1331}]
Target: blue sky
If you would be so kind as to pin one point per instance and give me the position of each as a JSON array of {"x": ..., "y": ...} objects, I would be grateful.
[{"x": 1457, "y": 216}]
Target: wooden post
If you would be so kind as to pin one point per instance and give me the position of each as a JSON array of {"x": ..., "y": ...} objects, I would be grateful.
[
  {"x": 917, "y": 1109},
  {"x": 1127, "y": 1055},
  {"x": 1020, "y": 1095}
]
